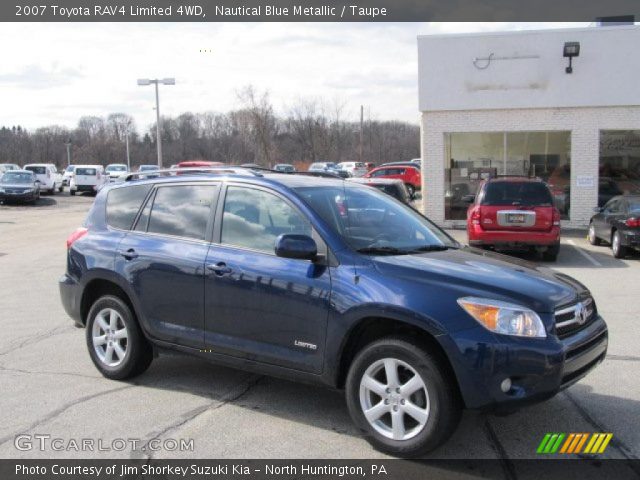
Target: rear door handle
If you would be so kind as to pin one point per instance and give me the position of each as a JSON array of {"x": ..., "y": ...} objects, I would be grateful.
[
  {"x": 129, "y": 254},
  {"x": 219, "y": 268}
]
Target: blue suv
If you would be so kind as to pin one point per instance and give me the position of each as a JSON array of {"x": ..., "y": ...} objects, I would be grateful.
[{"x": 326, "y": 281}]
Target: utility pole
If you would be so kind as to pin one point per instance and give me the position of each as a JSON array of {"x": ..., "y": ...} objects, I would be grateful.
[
  {"x": 126, "y": 138},
  {"x": 361, "y": 130}
]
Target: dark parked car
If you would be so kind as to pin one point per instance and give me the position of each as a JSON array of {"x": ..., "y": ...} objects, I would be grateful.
[
  {"x": 19, "y": 186},
  {"x": 325, "y": 281},
  {"x": 618, "y": 224},
  {"x": 392, "y": 187}
]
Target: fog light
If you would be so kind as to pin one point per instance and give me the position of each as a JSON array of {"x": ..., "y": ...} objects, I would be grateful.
[{"x": 505, "y": 386}]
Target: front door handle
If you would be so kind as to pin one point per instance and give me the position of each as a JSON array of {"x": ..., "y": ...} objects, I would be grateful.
[
  {"x": 129, "y": 254},
  {"x": 219, "y": 268}
]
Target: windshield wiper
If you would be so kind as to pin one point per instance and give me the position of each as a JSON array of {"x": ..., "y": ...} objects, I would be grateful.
[
  {"x": 432, "y": 248},
  {"x": 383, "y": 251}
]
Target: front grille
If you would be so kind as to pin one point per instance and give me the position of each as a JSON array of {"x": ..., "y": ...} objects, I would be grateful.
[{"x": 569, "y": 320}]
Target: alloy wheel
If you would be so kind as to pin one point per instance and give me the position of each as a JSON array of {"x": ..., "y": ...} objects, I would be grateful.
[
  {"x": 394, "y": 399},
  {"x": 110, "y": 337}
]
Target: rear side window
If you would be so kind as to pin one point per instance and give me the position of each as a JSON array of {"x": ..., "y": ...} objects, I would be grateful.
[
  {"x": 38, "y": 170},
  {"x": 123, "y": 205},
  {"x": 182, "y": 210},
  {"x": 517, "y": 193},
  {"x": 85, "y": 171}
]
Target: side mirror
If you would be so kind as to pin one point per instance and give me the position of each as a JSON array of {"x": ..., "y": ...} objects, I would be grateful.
[
  {"x": 469, "y": 199},
  {"x": 38, "y": 182},
  {"x": 598, "y": 210},
  {"x": 301, "y": 247}
]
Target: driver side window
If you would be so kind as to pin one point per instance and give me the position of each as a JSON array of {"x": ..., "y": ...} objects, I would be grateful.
[{"x": 254, "y": 219}]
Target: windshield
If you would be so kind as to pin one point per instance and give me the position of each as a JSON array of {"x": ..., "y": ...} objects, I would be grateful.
[
  {"x": 634, "y": 207},
  {"x": 86, "y": 171},
  {"x": 70, "y": 168},
  {"x": 517, "y": 193},
  {"x": 372, "y": 222},
  {"x": 11, "y": 177},
  {"x": 37, "y": 170},
  {"x": 116, "y": 168},
  {"x": 144, "y": 168}
]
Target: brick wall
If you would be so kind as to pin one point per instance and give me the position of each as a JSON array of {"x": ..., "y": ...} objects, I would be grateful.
[{"x": 584, "y": 124}]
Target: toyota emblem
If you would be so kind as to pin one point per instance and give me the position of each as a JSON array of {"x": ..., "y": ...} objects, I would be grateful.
[{"x": 581, "y": 314}]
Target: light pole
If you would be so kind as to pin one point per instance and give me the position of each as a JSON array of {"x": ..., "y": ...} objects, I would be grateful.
[
  {"x": 156, "y": 82},
  {"x": 126, "y": 138},
  {"x": 68, "y": 145}
]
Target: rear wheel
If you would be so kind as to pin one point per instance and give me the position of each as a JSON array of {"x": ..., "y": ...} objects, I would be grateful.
[
  {"x": 593, "y": 238},
  {"x": 61, "y": 188},
  {"x": 619, "y": 250},
  {"x": 551, "y": 253},
  {"x": 72, "y": 192},
  {"x": 116, "y": 344},
  {"x": 401, "y": 397},
  {"x": 412, "y": 190}
]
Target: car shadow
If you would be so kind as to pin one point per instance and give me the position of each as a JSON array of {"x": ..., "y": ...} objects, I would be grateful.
[{"x": 325, "y": 408}]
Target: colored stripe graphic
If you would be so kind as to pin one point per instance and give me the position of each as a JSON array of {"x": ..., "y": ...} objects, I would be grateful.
[{"x": 572, "y": 443}]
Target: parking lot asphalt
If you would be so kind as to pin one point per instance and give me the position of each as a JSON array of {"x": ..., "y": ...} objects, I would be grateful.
[{"x": 49, "y": 385}]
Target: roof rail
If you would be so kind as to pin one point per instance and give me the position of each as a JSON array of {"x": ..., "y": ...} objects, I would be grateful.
[{"x": 191, "y": 170}]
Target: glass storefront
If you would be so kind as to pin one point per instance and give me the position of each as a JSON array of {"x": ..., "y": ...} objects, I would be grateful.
[
  {"x": 472, "y": 157},
  {"x": 619, "y": 165}
]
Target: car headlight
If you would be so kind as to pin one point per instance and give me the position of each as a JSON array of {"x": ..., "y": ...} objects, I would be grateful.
[{"x": 504, "y": 318}]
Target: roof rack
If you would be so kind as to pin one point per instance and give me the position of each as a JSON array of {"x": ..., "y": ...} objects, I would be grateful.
[{"x": 192, "y": 170}]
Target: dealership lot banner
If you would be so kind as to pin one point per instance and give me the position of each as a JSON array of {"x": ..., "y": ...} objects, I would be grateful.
[
  {"x": 313, "y": 11},
  {"x": 317, "y": 469}
]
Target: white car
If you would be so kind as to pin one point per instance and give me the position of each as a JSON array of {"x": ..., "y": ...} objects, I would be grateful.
[
  {"x": 48, "y": 176},
  {"x": 5, "y": 167},
  {"x": 355, "y": 169},
  {"x": 116, "y": 171},
  {"x": 88, "y": 178},
  {"x": 68, "y": 173}
]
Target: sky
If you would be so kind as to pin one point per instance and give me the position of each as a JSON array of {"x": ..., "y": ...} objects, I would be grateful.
[{"x": 55, "y": 73}]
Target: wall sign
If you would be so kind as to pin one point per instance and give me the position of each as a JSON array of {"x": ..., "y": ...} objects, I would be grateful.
[{"x": 585, "y": 181}]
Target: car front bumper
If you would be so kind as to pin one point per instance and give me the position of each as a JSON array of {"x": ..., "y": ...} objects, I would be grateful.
[
  {"x": 70, "y": 294},
  {"x": 18, "y": 197},
  {"x": 537, "y": 368},
  {"x": 83, "y": 188}
]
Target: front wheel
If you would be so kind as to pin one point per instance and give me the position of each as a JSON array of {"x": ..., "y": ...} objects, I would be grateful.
[
  {"x": 402, "y": 398},
  {"x": 619, "y": 250},
  {"x": 116, "y": 344},
  {"x": 61, "y": 188},
  {"x": 551, "y": 253}
]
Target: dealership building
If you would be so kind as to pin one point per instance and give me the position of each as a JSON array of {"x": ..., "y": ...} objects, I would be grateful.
[{"x": 561, "y": 105}]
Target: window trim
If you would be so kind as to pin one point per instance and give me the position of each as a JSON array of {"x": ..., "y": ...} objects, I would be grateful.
[{"x": 323, "y": 246}]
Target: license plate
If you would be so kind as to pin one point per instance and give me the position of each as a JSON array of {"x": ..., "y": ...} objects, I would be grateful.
[{"x": 515, "y": 218}]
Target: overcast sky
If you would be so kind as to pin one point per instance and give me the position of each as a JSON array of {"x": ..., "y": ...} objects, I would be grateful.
[{"x": 56, "y": 73}]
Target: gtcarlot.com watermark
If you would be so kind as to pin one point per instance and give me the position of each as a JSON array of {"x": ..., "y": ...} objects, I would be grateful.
[{"x": 46, "y": 443}]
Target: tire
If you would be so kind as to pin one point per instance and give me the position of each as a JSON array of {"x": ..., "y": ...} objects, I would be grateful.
[
  {"x": 72, "y": 193},
  {"x": 551, "y": 253},
  {"x": 437, "y": 400},
  {"x": 122, "y": 330},
  {"x": 593, "y": 238},
  {"x": 52, "y": 191},
  {"x": 411, "y": 190},
  {"x": 61, "y": 188},
  {"x": 618, "y": 250}
]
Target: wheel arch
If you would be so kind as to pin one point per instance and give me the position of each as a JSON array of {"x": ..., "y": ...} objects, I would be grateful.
[
  {"x": 98, "y": 287},
  {"x": 372, "y": 328}
]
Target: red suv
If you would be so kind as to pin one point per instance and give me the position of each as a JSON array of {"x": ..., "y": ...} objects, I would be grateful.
[
  {"x": 410, "y": 176},
  {"x": 514, "y": 213}
]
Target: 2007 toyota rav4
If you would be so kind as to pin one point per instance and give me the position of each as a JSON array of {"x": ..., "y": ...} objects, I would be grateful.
[{"x": 322, "y": 280}]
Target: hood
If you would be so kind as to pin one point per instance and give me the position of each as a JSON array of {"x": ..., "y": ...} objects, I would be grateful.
[{"x": 476, "y": 272}]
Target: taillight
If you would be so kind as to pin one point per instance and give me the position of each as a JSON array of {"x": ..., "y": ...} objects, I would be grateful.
[
  {"x": 556, "y": 217},
  {"x": 76, "y": 235},
  {"x": 632, "y": 222},
  {"x": 475, "y": 216}
]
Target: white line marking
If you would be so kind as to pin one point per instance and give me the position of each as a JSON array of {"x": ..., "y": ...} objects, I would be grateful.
[{"x": 584, "y": 254}]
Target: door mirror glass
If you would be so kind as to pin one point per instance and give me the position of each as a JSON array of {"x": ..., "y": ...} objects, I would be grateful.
[
  {"x": 598, "y": 210},
  {"x": 296, "y": 246}
]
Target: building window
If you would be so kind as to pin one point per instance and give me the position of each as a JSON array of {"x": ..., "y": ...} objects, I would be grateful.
[
  {"x": 619, "y": 165},
  {"x": 473, "y": 157}
]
